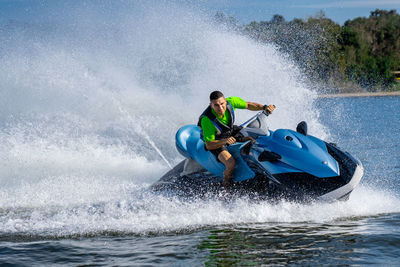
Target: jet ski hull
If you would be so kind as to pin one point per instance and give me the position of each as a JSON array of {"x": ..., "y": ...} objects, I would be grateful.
[{"x": 291, "y": 186}]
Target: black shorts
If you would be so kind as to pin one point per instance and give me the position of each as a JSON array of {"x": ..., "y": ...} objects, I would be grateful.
[
  {"x": 236, "y": 130},
  {"x": 218, "y": 150}
]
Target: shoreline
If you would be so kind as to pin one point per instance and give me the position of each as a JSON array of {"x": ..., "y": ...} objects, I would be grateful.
[{"x": 361, "y": 94}]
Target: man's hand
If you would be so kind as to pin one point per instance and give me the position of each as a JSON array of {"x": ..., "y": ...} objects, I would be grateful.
[
  {"x": 230, "y": 141},
  {"x": 248, "y": 138},
  {"x": 242, "y": 139},
  {"x": 269, "y": 108}
]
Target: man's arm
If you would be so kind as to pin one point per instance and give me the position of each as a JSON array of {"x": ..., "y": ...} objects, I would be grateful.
[{"x": 255, "y": 106}]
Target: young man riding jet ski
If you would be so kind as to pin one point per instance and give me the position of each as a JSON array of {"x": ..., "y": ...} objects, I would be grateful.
[{"x": 218, "y": 131}]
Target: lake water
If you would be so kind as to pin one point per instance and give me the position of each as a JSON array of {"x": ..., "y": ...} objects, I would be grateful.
[{"x": 138, "y": 228}]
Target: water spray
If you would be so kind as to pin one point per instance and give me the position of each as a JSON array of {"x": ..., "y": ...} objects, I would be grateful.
[{"x": 139, "y": 130}]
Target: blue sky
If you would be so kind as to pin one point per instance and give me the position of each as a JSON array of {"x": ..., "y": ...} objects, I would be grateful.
[{"x": 244, "y": 10}]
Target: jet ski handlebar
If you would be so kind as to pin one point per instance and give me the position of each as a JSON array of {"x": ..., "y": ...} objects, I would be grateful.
[{"x": 265, "y": 112}]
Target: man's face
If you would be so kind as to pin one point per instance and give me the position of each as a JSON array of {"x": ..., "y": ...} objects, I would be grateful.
[{"x": 219, "y": 106}]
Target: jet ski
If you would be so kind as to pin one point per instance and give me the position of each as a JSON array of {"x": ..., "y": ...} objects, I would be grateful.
[{"x": 280, "y": 164}]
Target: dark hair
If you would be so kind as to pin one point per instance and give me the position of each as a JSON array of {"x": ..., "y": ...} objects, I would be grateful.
[{"x": 215, "y": 95}]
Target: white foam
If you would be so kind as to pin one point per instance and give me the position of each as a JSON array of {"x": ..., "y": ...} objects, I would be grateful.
[{"x": 142, "y": 213}]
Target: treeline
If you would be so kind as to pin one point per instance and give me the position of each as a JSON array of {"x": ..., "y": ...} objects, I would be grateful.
[{"x": 362, "y": 53}]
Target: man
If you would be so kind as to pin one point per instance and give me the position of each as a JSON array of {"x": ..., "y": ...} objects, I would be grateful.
[{"x": 216, "y": 123}]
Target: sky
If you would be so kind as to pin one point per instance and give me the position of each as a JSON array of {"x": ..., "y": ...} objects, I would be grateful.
[
  {"x": 337, "y": 10},
  {"x": 245, "y": 11}
]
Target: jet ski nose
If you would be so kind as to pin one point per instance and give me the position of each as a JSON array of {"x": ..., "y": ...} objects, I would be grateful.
[{"x": 300, "y": 151}]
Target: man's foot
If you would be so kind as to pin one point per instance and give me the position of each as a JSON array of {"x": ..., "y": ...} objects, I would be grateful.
[{"x": 227, "y": 182}]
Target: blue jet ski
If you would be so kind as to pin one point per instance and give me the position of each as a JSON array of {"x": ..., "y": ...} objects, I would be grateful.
[{"x": 279, "y": 164}]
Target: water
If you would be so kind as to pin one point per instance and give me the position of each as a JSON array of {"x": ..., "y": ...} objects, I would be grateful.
[{"x": 89, "y": 105}]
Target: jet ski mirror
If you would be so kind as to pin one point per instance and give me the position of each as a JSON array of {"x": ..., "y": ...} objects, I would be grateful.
[{"x": 302, "y": 128}]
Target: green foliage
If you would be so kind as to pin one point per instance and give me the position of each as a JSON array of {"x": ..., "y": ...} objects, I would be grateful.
[
  {"x": 376, "y": 42},
  {"x": 363, "y": 50}
]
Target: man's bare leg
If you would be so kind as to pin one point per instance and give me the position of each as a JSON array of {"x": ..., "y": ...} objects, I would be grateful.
[{"x": 226, "y": 158}]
